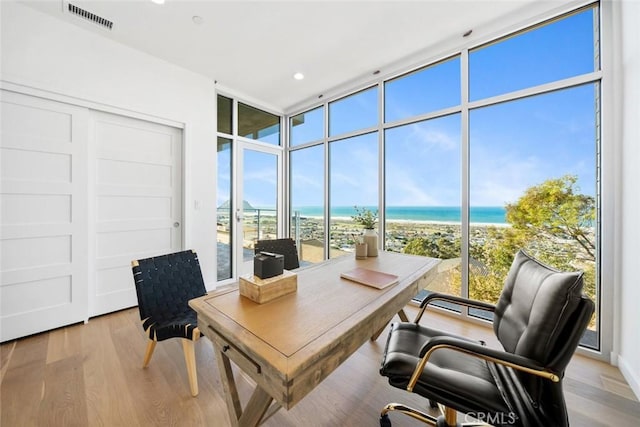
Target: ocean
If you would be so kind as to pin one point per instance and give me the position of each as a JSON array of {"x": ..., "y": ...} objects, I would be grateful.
[{"x": 478, "y": 214}]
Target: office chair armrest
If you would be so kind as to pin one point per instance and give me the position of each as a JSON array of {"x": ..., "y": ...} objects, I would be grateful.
[
  {"x": 471, "y": 348},
  {"x": 454, "y": 299}
]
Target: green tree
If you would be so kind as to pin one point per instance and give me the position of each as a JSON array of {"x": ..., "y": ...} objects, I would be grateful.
[
  {"x": 552, "y": 221},
  {"x": 556, "y": 210},
  {"x": 435, "y": 246}
]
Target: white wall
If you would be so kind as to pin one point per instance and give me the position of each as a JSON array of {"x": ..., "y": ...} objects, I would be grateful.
[
  {"x": 629, "y": 248},
  {"x": 54, "y": 58}
]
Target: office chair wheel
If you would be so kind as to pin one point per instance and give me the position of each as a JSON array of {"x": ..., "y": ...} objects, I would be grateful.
[{"x": 385, "y": 421}]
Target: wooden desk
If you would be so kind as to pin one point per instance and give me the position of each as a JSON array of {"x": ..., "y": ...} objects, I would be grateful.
[{"x": 289, "y": 345}]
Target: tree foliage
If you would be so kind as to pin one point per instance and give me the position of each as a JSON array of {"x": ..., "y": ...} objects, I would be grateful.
[
  {"x": 552, "y": 221},
  {"x": 435, "y": 246},
  {"x": 556, "y": 210}
]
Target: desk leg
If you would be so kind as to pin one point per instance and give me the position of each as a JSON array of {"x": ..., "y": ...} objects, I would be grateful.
[
  {"x": 403, "y": 317},
  {"x": 256, "y": 408},
  {"x": 229, "y": 387},
  {"x": 254, "y": 412}
]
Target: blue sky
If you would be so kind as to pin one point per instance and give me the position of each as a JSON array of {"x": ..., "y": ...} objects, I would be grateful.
[
  {"x": 259, "y": 178},
  {"x": 513, "y": 145}
]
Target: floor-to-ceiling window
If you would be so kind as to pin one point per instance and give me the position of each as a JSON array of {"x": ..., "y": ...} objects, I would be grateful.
[
  {"x": 353, "y": 182},
  {"x": 423, "y": 193},
  {"x": 224, "y": 189},
  {"x": 307, "y": 184},
  {"x": 493, "y": 148},
  {"x": 533, "y": 152},
  {"x": 249, "y": 183},
  {"x": 348, "y": 131},
  {"x": 225, "y": 212},
  {"x": 423, "y": 165}
]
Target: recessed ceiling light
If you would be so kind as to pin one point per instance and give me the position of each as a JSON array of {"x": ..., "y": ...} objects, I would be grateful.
[
  {"x": 158, "y": 1},
  {"x": 298, "y": 76},
  {"x": 197, "y": 19}
]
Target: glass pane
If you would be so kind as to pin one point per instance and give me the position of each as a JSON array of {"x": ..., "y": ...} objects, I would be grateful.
[
  {"x": 307, "y": 202},
  {"x": 225, "y": 106},
  {"x": 353, "y": 182},
  {"x": 307, "y": 127},
  {"x": 429, "y": 89},
  {"x": 225, "y": 209},
  {"x": 260, "y": 198},
  {"x": 358, "y": 111},
  {"x": 257, "y": 124},
  {"x": 533, "y": 186},
  {"x": 559, "y": 50},
  {"x": 423, "y": 194}
]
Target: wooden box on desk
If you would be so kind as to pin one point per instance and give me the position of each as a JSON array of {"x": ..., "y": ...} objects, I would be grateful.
[{"x": 263, "y": 290}]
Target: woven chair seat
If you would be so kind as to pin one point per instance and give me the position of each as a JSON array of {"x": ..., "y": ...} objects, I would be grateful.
[{"x": 180, "y": 325}]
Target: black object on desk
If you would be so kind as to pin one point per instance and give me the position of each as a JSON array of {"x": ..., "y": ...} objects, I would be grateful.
[{"x": 268, "y": 264}]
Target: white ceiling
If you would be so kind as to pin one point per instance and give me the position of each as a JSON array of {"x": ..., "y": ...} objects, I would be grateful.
[{"x": 254, "y": 48}]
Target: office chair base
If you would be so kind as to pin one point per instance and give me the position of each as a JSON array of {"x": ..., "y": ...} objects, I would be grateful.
[
  {"x": 446, "y": 419},
  {"x": 413, "y": 413}
]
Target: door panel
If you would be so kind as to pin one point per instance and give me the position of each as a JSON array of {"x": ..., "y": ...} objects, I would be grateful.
[
  {"x": 225, "y": 221},
  {"x": 258, "y": 200},
  {"x": 43, "y": 241},
  {"x": 138, "y": 204}
]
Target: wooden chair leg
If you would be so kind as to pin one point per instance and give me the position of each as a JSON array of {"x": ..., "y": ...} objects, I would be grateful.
[
  {"x": 151, "y": 345},
  {"x": 190, "y": 359}
]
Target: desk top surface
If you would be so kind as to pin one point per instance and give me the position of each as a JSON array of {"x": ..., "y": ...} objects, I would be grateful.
[{"x": 323, "y": 306}]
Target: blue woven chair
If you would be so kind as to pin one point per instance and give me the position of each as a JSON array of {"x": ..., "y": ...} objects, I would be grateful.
[{"x": 164, "y": 286}]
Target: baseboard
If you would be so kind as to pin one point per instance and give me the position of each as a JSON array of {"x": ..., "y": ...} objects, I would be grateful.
[{"x": 632, "y": 379}]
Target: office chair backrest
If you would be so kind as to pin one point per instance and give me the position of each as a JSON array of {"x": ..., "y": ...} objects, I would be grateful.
[
  {"x": 541, "y": 315},
  {"x": 286, "y": 247},
  {"x": 165, "y": 283},
  {"x": 571, "y": 336},
  {"x": 536, "y": 306}
]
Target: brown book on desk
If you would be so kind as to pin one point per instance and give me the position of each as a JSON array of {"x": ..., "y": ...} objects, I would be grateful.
[{"x": 371, "y": 278}]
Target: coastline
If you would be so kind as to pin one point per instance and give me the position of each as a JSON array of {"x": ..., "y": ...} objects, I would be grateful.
[
  {"x": 398, "y": 234},
  {"x": 449, "y": 214},
  {"x": 342, "y": 230},
  {"x": 343, "y": 219}
]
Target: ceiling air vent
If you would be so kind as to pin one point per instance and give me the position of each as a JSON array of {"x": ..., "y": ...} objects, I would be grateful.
[{"x": 98, "y": 20}]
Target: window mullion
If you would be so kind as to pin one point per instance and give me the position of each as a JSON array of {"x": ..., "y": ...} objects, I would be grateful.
[{"x": 464, "y": 179}]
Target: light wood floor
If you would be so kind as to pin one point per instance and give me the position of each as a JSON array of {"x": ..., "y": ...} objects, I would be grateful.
[{"x": 91, "y": 375}]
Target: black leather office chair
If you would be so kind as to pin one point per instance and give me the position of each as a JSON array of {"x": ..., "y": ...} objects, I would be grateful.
[
  {"x": 285, "y": 247},
  {"x": 164, "y": 286},
  {"x": 539, "y": 320}
]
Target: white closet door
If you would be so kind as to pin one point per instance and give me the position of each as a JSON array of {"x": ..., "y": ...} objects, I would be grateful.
[
  {"x": 43, "y": 240},
  {"x": 138, "y": 202}
]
